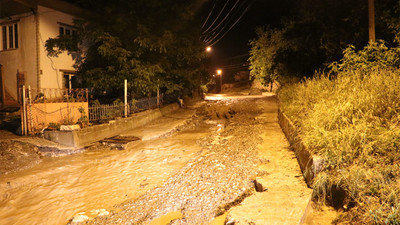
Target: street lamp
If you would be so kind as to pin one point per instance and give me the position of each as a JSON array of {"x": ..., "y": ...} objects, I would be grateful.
[
  {"x": 219, "y": 73},
  {"x": 208, "y": 49}
]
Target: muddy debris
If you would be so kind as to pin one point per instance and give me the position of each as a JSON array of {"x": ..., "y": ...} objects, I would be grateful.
[
  {"x": 15, "y": 156},
  {"x": 218, "y": 178}
]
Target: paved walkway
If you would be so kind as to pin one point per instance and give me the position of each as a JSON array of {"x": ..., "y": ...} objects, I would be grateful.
[
  {"x": 287, "y": 195},
  {"x": 163, "y": 125}
]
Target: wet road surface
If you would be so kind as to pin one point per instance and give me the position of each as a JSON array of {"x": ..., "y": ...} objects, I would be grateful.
[{"x": 190, "y": 177}]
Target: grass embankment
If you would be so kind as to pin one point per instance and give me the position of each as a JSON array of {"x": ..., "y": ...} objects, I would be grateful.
[{"x": 353, "y": 122}]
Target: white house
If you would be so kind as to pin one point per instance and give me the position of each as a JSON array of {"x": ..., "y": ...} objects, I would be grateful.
[{"x": 25, "y": 25}]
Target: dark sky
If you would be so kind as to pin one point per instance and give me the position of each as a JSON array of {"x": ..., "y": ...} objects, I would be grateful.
[{"x": 231, "y": 48}]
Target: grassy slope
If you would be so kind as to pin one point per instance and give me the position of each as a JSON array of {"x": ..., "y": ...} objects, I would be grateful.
[{"x": 353, "y": 122}]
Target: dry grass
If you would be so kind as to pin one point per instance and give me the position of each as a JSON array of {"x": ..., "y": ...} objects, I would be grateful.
[{"x": 353, "y": 122}]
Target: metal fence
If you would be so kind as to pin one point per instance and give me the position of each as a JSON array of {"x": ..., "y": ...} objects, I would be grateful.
[
  {"x": 103, "y": 113},
  {"x": 51, "y": 95}
]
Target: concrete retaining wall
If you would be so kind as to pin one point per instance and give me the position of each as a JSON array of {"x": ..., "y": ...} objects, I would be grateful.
[
  {"x": 86, "y": 136},
  {"x": 310, "y": 164}
]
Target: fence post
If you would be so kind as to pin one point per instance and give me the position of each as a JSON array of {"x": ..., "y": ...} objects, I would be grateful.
[
  {"x": 24, "y": 130},
  {"x": 126, "y": 97},
  {"x": 30, "y": 109}
]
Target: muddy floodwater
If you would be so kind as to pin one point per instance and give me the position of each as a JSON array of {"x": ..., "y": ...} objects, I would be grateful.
[
  {"x": 205, "y": 173},
  {"x": 59, "y": 188}
]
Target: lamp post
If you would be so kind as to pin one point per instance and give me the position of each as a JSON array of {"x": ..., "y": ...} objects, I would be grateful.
[
  {"x": 208, "y": 49},
  {"x": 219, "y": 73}
]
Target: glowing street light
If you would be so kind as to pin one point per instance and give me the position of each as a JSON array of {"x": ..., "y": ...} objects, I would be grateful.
[
  {"x": 219, "y": 73},
  {"x": 208, "y": 49}
]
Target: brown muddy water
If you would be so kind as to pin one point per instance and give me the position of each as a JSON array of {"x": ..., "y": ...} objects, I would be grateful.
[{"x": 59, "y": 188}]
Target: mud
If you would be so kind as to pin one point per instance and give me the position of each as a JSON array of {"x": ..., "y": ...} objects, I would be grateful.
[
  {"x": 220, "y": 177},
  {"x": 16, "y": 156}
]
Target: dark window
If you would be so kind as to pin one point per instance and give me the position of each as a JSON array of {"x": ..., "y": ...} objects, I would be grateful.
[
  {"x": 4, "y": 31},
  {"x": 16, "y": 35},
  {"x": 65, "y": 29},
  {"x": 10, "y": 36}
]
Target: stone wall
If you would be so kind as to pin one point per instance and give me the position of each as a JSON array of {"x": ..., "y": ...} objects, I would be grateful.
[{"x": 310, "y": 164}]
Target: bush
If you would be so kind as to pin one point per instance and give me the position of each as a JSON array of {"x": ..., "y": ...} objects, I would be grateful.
[
  {"x": 352, "y": 121},
  {"x": 374, "y": 56}
]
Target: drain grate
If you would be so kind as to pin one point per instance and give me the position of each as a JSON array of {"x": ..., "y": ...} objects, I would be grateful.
[{"x": 119, "y": 142}]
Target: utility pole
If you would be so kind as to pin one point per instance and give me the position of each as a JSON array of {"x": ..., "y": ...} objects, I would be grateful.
[{"x": 371, "y": 20}]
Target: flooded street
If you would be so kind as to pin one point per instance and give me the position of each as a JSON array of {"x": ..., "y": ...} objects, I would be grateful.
[
  {"x": 54, "y": 191},
  {"x": 201, "y": 174}
]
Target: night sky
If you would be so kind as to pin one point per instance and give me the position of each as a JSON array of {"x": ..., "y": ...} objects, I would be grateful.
[{"x": 231, "y": 50}]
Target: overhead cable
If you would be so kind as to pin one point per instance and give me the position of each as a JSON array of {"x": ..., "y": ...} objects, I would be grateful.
[
  {"x": 217, "y": 17},
  {"x": 212, "y": 9},
  {"x": 212, "y": 42}
]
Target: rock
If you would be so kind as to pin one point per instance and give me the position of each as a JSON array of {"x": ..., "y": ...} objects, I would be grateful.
[
  {"x": 260, "y": 185},
  {"x": 70, "y": 127},
  {"x": 79, "y": 218},
  {"x": 100, "y": 212},
  {"x": 230, "y": 222}
]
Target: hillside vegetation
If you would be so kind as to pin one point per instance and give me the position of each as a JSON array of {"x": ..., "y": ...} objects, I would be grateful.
[{"x": 351, "y": 118}]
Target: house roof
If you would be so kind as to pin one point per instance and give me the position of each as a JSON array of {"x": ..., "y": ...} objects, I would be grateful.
[{"x": 10, "y": 8}]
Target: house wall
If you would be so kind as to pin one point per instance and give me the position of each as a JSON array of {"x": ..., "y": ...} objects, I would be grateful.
[
  {"x": 23, "y": 58},
  {"x": 51, "y": 76}
]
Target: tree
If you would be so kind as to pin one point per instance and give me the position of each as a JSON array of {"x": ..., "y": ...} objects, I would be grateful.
[
  {"x": 153, "y": 44},
  {"x": 316, "y": 34},
  {"x": 264, "y": 64}
]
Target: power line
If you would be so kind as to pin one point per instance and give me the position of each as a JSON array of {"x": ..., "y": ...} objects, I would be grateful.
[
  {"x": 213, "y": 43},
  {"x": 217, "y": 16},
  {"x": 214, "y": 32},
  {"x": 227, "y": 15},
  {"x": 212, "y": 9}
]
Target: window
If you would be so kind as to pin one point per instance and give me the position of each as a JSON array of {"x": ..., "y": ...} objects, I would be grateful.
[
  {"x": 66, "y": 29},
  {"x": 9, "y": 36},
  {"x": 70, "y": 80}
]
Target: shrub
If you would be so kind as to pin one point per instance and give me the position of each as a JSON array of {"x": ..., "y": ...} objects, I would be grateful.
[
  {"x": 352, "y": 121},
  {"x": 374, "y": 56}
]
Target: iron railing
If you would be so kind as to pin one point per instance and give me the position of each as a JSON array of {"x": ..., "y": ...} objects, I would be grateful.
[
  {"x": 102, "y": 113},
  {"x": 49, "y": 95}
]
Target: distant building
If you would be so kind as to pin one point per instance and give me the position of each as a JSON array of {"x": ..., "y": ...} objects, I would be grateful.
[{"x": 25, "y": 25}]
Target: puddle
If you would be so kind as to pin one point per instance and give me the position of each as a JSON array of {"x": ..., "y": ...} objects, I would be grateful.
[{"x": 166, "y": 219}]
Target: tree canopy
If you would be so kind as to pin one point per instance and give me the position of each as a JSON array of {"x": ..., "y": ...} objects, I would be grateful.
[
  {"x": 316, "y": 34},
  {"x": 153, "y": 44}
]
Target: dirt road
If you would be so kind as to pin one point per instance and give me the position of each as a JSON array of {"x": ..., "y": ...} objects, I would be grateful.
[{"x": 223, "y": 174}]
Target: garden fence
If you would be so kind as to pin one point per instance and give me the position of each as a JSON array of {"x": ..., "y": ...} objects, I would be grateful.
[{"x": 104, "y": 112}]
